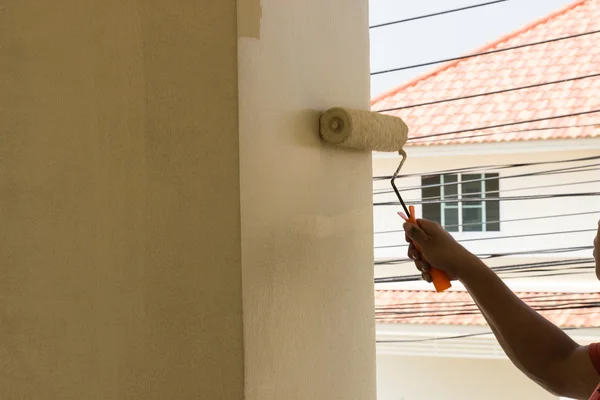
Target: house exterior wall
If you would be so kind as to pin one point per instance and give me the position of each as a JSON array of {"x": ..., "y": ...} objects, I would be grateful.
[
  {"x": 422, "y": 378},
  {"x": 385, "y": 218},
  {"x": 476, "y": 368}
]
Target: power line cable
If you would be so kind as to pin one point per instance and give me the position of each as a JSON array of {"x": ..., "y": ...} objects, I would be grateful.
[
  {"x": 506, "y": 132},
  {"x": 517, "y": 273},
  {"x": 429, "y": 103},
  {"x": 385, "y": 191},
  {"x": 498, "y": 255},
  {"x": 418, "y": 278},
  {"x": 484, "y": 53},
  {"x": 442, "y": 313},
  {"x": 501, "y": 269},
  {"x": 559, "y": 297},
  {"x": 484, "y": 168},
  {"x": 469, "y": 335},
  {"x": 579, "y": 168},
  {"x": 504, "y": 124},
  {"x": 504, "y": 199},
  {"x": 501, "y": 237},
  {"x": 543, "y": 264},
  {"x": 472, "y": 307},
  {"x": 400, "y": 21},
  {"x": 504, "y": 221},
  {"x": 538, "y": 264}
]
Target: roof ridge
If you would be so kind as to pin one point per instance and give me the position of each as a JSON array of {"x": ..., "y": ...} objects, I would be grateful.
[{"x": 482, "y": 49}]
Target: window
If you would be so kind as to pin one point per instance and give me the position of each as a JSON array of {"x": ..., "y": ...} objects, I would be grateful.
[{"x": 451, "y": 205}]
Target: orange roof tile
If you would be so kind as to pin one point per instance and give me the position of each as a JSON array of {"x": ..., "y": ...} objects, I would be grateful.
[
  {"x": 457, "y": 308},
  {"x": 514, "y": 68}
]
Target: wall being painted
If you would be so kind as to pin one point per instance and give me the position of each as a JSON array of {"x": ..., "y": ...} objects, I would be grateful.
[
  {"x": 120, "y": 261},
  {"x": 306, "y": 208},
  {"x": 417, "y": 378}
]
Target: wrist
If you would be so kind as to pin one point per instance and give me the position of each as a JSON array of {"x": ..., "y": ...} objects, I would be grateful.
[{"x": 472, "y": 271}]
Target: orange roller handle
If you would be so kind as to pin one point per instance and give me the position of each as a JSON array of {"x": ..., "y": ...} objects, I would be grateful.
[{"x": 441, "y": 282}]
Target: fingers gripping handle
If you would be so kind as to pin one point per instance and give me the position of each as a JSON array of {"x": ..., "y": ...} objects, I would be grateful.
[{"x": 440, "y": 280}]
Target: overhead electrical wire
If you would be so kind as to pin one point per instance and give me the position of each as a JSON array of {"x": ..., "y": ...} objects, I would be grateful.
[
  {"x": 518, "y": 271},
  {"x": 465, "y": 336},
  {"x": 489, "y": 256},
  {"x": 418, "y": 278},
  {"x": 517, "y": 131},
  {"x": 466, "y": 307},
  {"x": 543, "y": 264},
  {"x": 504, "y": 221},
  {"x": 511, "y": 267},
  {"x": 484, "y": 53},
  {"x": 416, "y": 312},
  {"x": 525, "y": 235},
  {"x": 385, "y": 191},
  {"x": 483, "y": 168},
  {"x": 535, "y": 298},
  {"x": 429, "y": 103},
  {"x": 505, "y": 124},
  {"x": 498, "y": 255},
  {"x": 400, "y": 21},
  {"x": 441, "y": 314},
  {"x": 556, "y": 171},
  {"x": 504, "y": 199}
]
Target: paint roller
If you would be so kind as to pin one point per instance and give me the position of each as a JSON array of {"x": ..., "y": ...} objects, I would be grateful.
[{"x": 365, "y": 130}]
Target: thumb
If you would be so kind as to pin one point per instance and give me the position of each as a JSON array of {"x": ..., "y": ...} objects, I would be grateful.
[{"x": 415, "y": 234}]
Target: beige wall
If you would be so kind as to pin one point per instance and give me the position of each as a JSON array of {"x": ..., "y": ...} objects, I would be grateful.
[
  {"x": 120, "y": 269},
  {"x": 121, "y": 227},
  {"x": 307, "y": 241},
  {"x": 417, "y": 378}
]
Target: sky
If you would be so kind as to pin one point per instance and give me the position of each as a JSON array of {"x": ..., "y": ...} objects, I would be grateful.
[{"x": 441, "y": 37}]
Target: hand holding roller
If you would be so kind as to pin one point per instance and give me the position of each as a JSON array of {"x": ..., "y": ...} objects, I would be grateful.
[
  {"x": 372, "y": 131},
  {"x": 440, "y": 279}
]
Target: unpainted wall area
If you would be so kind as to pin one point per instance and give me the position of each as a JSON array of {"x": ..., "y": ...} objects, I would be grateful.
[
  {"x": 120, "y": 268},
  {"x": 417, "y": 378}
]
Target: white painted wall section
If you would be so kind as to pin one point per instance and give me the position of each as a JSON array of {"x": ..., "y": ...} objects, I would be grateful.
[{"x": 307, "y": 244}]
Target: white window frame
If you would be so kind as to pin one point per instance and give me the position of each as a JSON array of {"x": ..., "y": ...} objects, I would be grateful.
[{"x": 459, "y": 204}]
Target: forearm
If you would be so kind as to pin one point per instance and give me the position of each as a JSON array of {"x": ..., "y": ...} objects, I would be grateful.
[{"x": 532, "y": 343}]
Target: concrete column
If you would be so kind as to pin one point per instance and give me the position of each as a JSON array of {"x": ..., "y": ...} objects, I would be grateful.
[{"x": 307, "y": 247}]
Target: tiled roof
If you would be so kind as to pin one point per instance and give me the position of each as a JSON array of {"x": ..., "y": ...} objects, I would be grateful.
[
  {"x": 457, "y": 308},
  {"x": 510, "y": 69}
]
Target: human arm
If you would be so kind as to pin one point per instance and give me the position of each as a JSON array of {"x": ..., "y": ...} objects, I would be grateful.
[{"x": 536, "y": 346}]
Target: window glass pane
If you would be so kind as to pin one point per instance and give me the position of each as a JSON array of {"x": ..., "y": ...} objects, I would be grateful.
[
  {"x": 431, "y": 211},
  {"x": 451, "y": 219},
  {"x": 432, "y": 193},
  {"x": 492, "y": 208},
  {"x": 472, "y": 219},
  {"x": 450, "y": 187},
  {"x": 471, "y": 190},
  {"x": 492, "y": 185},
  {"x": 492, "y": 211}
]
